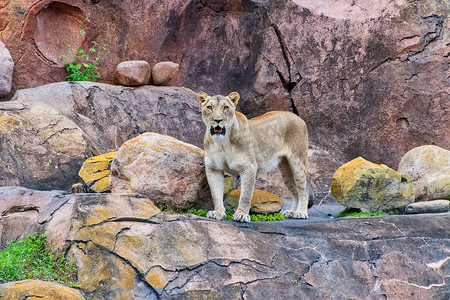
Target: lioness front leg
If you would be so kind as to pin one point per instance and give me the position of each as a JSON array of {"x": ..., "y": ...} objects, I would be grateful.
[
  {"x": 247, "y": 187},
  {"x": 216, "y": 183}
]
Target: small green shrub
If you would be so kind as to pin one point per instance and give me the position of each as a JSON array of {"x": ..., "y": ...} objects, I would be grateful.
[
  {"x": 354, "y": 212},
  {"x": 198, "y": 212},
  {"x": 30, "y": 259},
  {"x": 267, "y": 217},
  {"x": 83, "y": 64}
]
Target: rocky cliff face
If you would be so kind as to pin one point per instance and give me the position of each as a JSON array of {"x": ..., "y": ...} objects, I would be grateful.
[{"x": 349, "y": 69}]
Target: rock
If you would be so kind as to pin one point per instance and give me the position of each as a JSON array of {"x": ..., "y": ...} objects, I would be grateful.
[
  {"x": 6, "y": 71},
  {"x": 272, "y": 182},
  {"x": 40, "y": 148},
  {"x": 163, "y": 72},
  {"x": 366, "y": 66},
  {"x": 358, "y": 72},
  {"x": 438, "y": 185},
  {"x": 24, "y": 210},
  {"x": 429, "y": 168},
  {"x": 433, "y": 206},
  {"x": 321, "y": 167},
  {"x": 125, "y": 248},
  {"x": 79, "y": 188},
  {"x": 84, "y": 217},
  {"x": 38, "y": 289},
  {"x": 169, "y": 172},
  {"x": 262, "y": 202},
  {"x": 371, "y": 187},
  {"x": 132, "y": 73},
  {"x": 228, "y": 186},
  {"x": 44, "y": 142},
  {"x": 95, "y": 172}
]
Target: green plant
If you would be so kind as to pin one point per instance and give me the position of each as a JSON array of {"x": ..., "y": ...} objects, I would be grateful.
[
  {"x": 83, "y": 64},
  {"x": 267, "y": 217},
  {"x": 29, "y": 258},
  {"x": 354, "y": 212},
  {"x": 198, "y": 212},
  {"x": 253, "y": 217}
]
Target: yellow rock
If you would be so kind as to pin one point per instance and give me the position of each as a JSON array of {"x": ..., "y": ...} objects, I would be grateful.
[
  {"x": 371, "y": 187},
  {"x": 95, "y": 172},
  {"x": 346, "y": 176},
  {"x": 262, "y": 202},
  {"x": 37, "y": 289}
]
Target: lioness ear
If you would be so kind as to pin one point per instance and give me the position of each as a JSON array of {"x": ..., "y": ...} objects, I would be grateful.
[
  {"x": 234, "y": 97},
  {"x": 201, "y": 97}
]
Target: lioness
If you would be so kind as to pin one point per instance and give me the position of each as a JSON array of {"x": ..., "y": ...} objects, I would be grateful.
[{"x": 239, "y": 146}]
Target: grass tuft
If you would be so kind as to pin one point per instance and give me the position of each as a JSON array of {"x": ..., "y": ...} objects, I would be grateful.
[
  {"x": 354, "y": 212},
  {"x": 30, "y": 259},
  {"x": 253, "y": 217}
]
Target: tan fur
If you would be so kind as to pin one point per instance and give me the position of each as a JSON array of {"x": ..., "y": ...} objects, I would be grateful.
[{"x": 251, "y": 147}]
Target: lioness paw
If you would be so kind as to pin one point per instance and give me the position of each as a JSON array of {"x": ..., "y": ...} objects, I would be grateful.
[
  {"x": 300, "y": 215},
  {"x": 288, "y": 213},
  {"x": 216, "y": 214},
  {"x": 240, "y": 216}
]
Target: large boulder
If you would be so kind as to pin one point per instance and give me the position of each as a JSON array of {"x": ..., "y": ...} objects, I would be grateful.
[
  {"x": 6, "y": 71},
  {"x": 40, "y": 148},
  {"x": 169, "y": 172},
  {"x": 38, "y": 289},
  {"x": 125, "y": 248},
  {"x": 46, "y": 133},
  {"x": 336, "y": 64},
  {"x": 429, "y": 168},
  {"x": 371, "y": 187}
]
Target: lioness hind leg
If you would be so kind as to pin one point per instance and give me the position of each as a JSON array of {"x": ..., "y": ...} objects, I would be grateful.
[
  {"x": 288, "y": 179},
  {"x": 299, "y": 173}
]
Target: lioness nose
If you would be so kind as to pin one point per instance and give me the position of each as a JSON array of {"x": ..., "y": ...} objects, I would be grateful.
[{"x": 218, "y": 120}]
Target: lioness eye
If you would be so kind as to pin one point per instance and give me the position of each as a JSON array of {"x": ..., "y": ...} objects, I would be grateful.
[
  {"x": 226, "y": 108},
  {"x": 209, "y": 107}
]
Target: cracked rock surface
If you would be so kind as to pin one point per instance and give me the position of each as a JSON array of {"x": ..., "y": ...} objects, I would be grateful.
[{"x": 126, "y": 248}]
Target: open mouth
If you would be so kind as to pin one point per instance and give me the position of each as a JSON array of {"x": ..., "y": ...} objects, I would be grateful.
[{"x": 217, "y": 130}]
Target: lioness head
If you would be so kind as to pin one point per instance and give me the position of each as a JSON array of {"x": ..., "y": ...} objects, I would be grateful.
[{"x": 218, "y": 112}]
